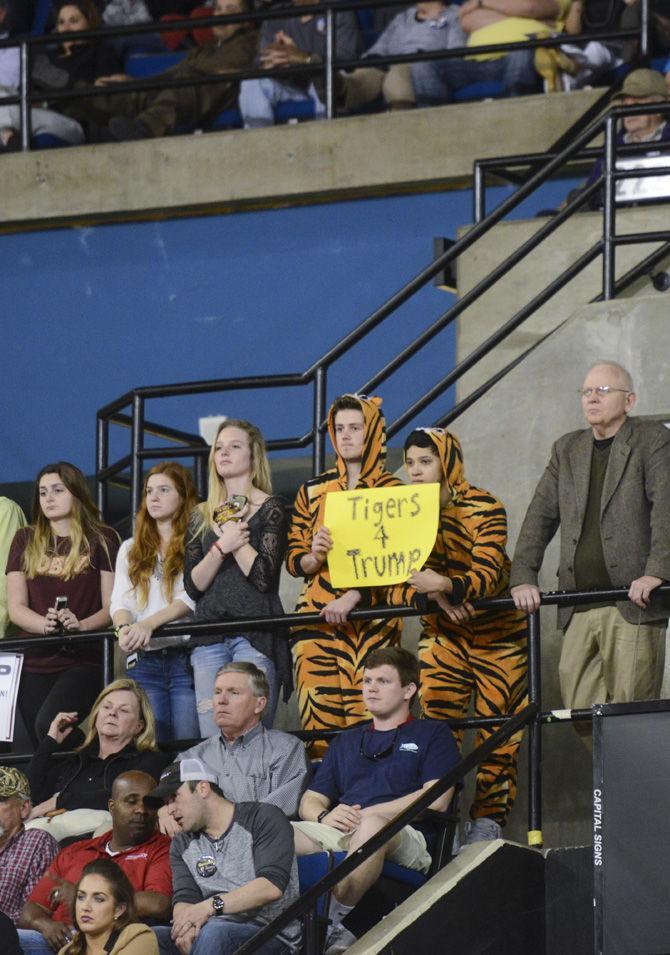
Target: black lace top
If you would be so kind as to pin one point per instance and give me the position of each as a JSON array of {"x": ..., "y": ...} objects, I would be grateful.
[{"x": 232, "y": 594}]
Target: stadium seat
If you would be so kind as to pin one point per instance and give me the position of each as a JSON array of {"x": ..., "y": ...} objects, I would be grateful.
[{"x": 143, "y": 65}]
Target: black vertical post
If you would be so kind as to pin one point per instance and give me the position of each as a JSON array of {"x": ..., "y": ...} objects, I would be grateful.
[
  {"x": 330, "y": 56},
  {"x": 136, "y": 465},
  {"x": 107, "y": 660},
  {"x": 609, "y": 212},
  {"x": 534, "y": 733},
  {"x": 319, "y": 438},
  {"x": 201, "y": 475},
  {"x": 25, "y": 93},
  {"x": 102, "y": 461},
  {"x": 479, "y": 193}
]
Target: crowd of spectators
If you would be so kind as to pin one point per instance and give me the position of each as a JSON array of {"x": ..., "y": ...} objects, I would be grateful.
[{"x": 300, "y": 41}]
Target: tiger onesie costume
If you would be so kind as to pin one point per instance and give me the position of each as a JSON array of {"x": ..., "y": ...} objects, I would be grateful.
[
  {"x": 485, "y": 657},
  {"x": 329, "y": 657}
]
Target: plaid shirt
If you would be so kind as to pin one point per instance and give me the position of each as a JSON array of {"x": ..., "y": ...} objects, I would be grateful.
[{"x": 23, "y": 862}]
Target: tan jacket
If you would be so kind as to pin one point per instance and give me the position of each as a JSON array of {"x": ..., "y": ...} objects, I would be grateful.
[
  {"x": 634, "y": 512},
  {"x": 134, "y": 939}
]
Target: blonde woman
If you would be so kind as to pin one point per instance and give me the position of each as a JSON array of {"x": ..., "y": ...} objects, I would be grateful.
[
  {"x": 60, "y": 573},
  {"x": 149, "y": 592},
  {"x": 232, "y": 568},
  {"x": 71, "y": 793}
]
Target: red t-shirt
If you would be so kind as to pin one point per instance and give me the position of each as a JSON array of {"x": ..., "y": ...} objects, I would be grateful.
[
  {"x": 147, "y": 867},
  {"x": 82, "y": 592}
]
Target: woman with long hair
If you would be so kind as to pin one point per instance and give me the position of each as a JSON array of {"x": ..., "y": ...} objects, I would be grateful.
[
  {"x": 149, "y": 592},
  {"x": 232, "y": 565},
  {"x": 60, "y": 573},
  {"x": 71, "y": 793},
  {"x": 104, "y": 915}
]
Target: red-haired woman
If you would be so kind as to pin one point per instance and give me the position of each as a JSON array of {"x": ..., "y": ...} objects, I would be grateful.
[
  {"x": 60, "y": 573},
  {"x": 149, "y": 592}
]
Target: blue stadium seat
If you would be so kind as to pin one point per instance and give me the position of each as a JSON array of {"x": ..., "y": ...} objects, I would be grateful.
[
  {"x": 294, "y": 109},
  {"x": 492, "y": 90},
  {"x": 366, "y": 20},
  {"x": 661, "y": 63},
  {"x": 228, "y": 119},
  {"x": 143, "y": 65},
  {"x": 48, "y": 141},
  {"x": 42, "y": 10}
]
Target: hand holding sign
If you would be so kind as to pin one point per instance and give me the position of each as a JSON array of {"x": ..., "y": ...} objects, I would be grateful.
[{"x": 381, "y": 535}]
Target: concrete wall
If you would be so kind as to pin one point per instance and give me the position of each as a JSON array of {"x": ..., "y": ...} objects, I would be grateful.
[
  {"x": 363, "y": 155},
  {"x": 507, "y": 439},
  {"x": 534, "y": 273}
]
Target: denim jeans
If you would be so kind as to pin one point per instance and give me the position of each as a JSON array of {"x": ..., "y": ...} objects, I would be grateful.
[
  {"x": 208, "y": 659},
  {"x": 259, "y": 97},
  {"x": 219, "y": 937},
  {"x": 33, "y": 943},
  {"x": 167, "y": 678},
  {"x": 434, "y": 80}
]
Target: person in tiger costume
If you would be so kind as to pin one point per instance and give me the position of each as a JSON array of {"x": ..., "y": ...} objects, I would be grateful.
[
  {"x": 464, "y": 653},
  {"x": 329, "y": 657}
]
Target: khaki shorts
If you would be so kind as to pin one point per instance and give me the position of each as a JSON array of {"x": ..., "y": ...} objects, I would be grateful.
[
  {"x": 410, "y": 852},
  {"x": 74, "y": 822}
]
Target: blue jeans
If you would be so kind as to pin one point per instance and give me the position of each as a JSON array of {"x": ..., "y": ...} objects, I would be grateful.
[
  {"x": 219, "y": 937},
  {"x": 167, "y": 678},
  {"x": 33, "y": 943},
  {"x": 207, "y": 660},
  {"x": 434, "y": 80},
  {"x": 259, "y": 97}
]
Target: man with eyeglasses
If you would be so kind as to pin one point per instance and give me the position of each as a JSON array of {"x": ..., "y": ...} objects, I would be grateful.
[
  {"x": 608, "y": 487},
  {"x": 371, "y": 773}
]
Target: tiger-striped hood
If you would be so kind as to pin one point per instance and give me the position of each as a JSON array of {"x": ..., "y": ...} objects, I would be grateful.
[
  {"x": 451, "y": 457},
  {"x": 374, "y": 448}
]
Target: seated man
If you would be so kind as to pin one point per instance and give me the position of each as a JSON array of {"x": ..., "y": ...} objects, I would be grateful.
[
  {"x": 488, "y": 22},
  {"x": 252, "y": 763},
  {"x": 291, "y": 42},
  {"x": 133, "y": 843},
  {"x": 232, "y": 861},
  {"x": 24, "y": 853},
  {"x": 369, "y": 775},
  {"x": 159, "y": 112},
  {"x": 428, "y": 25}
]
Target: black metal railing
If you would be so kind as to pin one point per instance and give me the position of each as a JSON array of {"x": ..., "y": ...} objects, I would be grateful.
[
  {"x": 532, "y": 716},
  {"x": 316, "y": 375},
  {"x": 331, "y": 64}
]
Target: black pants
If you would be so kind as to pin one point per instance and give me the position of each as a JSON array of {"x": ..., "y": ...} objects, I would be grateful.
[{"x": 43, "y": 695}]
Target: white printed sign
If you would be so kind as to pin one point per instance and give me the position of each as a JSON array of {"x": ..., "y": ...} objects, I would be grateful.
[{"x": 10, "y": 674}]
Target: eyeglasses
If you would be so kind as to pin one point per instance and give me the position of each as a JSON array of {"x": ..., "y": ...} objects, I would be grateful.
[
  {"x": 601, "y": 391},
  {"x": 382, "y": 754}
]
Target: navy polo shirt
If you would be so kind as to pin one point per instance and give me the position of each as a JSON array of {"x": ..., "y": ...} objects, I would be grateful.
[{"x": 423, "y": 750}]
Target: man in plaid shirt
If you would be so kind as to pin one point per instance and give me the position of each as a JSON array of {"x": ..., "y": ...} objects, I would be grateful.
[{"x": 25, "y": 854}]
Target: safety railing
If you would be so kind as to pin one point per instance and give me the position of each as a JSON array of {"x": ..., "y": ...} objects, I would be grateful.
[
  {"x": 507, "y": 724},
  {"x": 316, "y": 375},
  {"x": 331, "y": 64}
]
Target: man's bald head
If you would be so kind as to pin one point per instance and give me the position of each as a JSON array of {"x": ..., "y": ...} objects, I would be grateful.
[
  {"x": 133, "y": 821},
  {"x": 622, "y": 374}
]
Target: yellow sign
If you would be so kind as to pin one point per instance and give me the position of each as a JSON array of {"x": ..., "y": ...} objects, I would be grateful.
[{"x": 381, "y": 535}]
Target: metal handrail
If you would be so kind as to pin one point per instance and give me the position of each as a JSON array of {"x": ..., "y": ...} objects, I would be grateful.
[{"x": 316, "y": 374}]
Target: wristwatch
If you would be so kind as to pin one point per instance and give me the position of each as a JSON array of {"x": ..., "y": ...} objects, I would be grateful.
[{"x": 218, "y": 904}]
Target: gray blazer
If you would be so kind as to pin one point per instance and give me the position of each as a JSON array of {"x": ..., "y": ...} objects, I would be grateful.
[{"x": 634, "y": 512}]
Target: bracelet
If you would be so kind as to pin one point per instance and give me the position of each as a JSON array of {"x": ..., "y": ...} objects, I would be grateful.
[
  {"x": 322, "y": 815},
  {"x": 217, "y": 546},
  {"x": 117, "y": 630}
]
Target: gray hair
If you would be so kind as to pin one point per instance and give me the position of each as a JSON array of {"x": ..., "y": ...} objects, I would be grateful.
[
  {"x": 623, "y": 373},
  {"x": 257, "y": 679}
]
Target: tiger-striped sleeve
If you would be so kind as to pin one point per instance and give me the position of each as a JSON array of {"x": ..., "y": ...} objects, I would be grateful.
[
  {"x": 300, "y": 533},
  {"x": 487, "y": 566}
]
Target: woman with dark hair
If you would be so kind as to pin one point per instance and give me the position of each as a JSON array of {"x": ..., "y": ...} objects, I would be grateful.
[
  {"x": 71, "y": 794},
  {"x": 232, "y": 565},
  {"x": 466, "y": 653},
  {"x": 149, "y": 592},
  {"x": 104, "y": 915},
  {"x": 60, "y": 573}
]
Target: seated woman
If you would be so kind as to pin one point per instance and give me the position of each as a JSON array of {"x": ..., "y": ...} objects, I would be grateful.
[
  {"x": 149, "y": 592},
  {"x": 71, "y": 793},
  {"x": 70, "y": 64},
  {"x": 60, "y": 573},
  {"x": 104, "y": 915},
  {"x": 465, "y": 653},
  {"x": 232, "y": 568}
]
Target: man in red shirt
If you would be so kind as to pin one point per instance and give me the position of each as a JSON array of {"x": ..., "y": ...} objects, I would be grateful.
[{"x": 133, "y": 842}]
